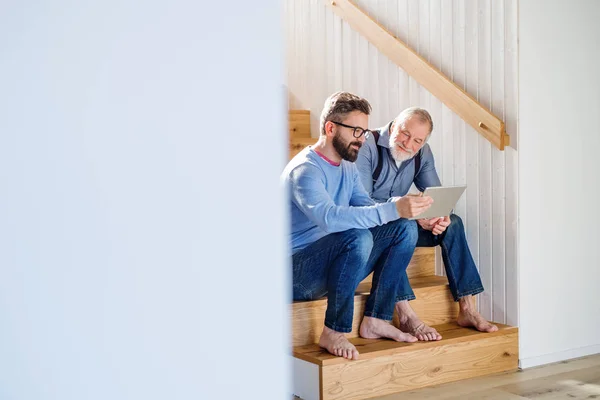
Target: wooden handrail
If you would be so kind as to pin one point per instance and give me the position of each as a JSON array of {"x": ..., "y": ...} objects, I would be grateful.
[{"x": 459, "y": 101}]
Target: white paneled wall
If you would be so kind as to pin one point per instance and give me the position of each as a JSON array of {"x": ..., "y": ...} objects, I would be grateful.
[{"x": 474, "y": 43}]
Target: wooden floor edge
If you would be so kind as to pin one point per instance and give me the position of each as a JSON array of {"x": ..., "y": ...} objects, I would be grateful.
[{"x": 408, "y": 347}]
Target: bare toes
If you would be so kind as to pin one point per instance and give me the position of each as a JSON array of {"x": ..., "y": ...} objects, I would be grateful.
[{"x": 409, "y": 338}]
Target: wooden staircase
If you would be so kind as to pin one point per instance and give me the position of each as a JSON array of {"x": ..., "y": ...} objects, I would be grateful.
[
  {"x": 299, "y": 131},
  {"x": 385, "y": 366}
]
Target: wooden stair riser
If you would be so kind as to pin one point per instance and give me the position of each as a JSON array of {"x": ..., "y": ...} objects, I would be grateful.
[
  {"x": 421, "y": 264},
  {"x": 420, "y": 368},
  {"x": 298, "y": 144},
  {"x": 434, "y": 305},
  {"x": 299, "y": 124}
]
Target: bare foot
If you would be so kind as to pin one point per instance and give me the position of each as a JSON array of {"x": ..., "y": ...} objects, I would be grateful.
[
  {"x": 469, "y": 317},
  {"x": 408, "y": 321},
  {"x": 337, "y": 344},
  {"x": 374, "y": 328}
]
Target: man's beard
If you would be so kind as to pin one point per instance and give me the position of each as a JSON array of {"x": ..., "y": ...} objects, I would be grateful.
[
  {"x": 344, "y": 149},
  {"x": 400, "y": 155}
]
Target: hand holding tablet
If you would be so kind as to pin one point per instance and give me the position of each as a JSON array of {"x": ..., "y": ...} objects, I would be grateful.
[{"x": 412, "y": 205}]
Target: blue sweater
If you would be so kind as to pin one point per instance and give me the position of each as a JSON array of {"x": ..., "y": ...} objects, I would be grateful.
[{"x": 327, "y": 198}]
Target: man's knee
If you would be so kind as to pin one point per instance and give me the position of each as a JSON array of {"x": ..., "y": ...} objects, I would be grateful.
[
  {"x": 407, "y": 230},
  {"x": 456, "y": 222},
  {"x": 359, "y": 241}
]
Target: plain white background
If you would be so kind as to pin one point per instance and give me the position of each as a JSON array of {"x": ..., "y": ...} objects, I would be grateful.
[
  {"x": 559, "y": 130},
  {"x": 142, "y": 225}
]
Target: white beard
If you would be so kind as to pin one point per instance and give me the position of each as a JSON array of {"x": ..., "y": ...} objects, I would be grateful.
[{"x": 400, "y": 155}]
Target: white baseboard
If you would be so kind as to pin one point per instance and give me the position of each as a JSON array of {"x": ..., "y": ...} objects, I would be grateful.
[
  {"x": 305, "y": 379},
  {"x": 559, "y": 356}
]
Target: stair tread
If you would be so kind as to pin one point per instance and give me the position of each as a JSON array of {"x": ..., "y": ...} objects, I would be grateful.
[
  {"x": 415, "y": 283},
  {"x": 452, "y": 333},
  {"x": 364, "y": 288}
]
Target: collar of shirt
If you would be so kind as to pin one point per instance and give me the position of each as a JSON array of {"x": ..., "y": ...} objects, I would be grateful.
[
  {"x": 325, "y": 158},
  {"x": 384, "y": 135}
]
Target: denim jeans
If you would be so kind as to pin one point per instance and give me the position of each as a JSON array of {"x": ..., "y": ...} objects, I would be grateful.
[
  {"x": 335, "y": 264},
  {"x": 462, "y": 273}
]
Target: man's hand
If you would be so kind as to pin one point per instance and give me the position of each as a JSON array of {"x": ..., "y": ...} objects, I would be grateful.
[
  {"x": 411, "y": 205},
  {"x": 436, "y": 225},
  {"x": 428, "y": 224}
]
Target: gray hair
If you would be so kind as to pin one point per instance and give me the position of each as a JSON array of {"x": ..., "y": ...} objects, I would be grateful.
[
  {"x": 421, "y": 114},
  {"x": 339, "y": 104}
]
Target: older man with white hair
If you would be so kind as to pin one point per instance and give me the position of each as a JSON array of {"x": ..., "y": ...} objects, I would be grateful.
[{"x": 391, "y": 160}]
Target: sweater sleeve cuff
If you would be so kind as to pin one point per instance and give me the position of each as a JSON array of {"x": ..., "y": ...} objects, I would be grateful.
[{"x": 389, "y": 212}]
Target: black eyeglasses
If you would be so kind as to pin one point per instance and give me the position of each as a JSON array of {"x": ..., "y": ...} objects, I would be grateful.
[{"x": 357, "y": 130}]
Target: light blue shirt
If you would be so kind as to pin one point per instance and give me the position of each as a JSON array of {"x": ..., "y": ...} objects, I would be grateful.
[
  {"x": 394, "y": 180},
  {"x": 327, "y": 198}
]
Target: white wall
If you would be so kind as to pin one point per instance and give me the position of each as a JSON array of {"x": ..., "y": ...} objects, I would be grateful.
[
  {"x": 559, "y": 109},
  {"x": 140, "y": 255},
  {"x": 474, "y": 42}
]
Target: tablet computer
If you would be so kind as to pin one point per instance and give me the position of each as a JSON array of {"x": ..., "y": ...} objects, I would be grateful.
[{"x": 444, "y": 200}]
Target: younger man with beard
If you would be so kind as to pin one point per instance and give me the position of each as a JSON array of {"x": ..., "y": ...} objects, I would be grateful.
[
  {"x": 387, "y": 170},
  {"x": 339, "y": 234}
]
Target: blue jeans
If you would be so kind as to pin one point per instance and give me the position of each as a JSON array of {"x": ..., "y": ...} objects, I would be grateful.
[
  {"x": 335, "y": 264},
  {"x": 462, "y": 273}
]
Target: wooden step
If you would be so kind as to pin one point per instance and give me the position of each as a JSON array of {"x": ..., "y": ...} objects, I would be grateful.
[
  {"x": 434, "y": 305},
  {"x": 299, "y": 124},
  {"x": 421, "y": 264},
  {"x": 298, "y": 144},
  {"x": 386, "y": 367}
]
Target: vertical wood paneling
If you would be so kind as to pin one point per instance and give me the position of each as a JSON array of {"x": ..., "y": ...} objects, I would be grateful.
[
  {"x": 301, "y": 22},
  {"x": 413, "y": 41},
  {"x": 436, "y": 142},
  {"x": 485, "y": 160},
  {"x": 458, "y": 125},
  {"x": 393, "y": 91},
  {"x": 445, "y": 163},
  {"x": 338, "y": 70},
  {"x": 329, "y": 71},
  {"x": 403, "y": 83},
  {"x": 511, "y": 85},
  {"x": 447, "y": 159},
  {"x": 471, "y": 219},
  {"x": 435, "y": 58},
  {"x": 424, "y": 48},
  {"x": 348, "y": 66},
  {"x": 474, "y": 42},
  {"x": 382, "y": 63},
  {"x": 498, "y": 170},
  {"x": 320, "y": 61}
]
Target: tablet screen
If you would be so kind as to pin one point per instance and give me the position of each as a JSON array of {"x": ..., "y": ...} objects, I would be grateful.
[{"x": 444, "y": 200}]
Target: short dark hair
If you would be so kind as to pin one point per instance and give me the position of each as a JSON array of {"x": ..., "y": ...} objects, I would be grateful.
[{"x": 340, "y": 104}]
